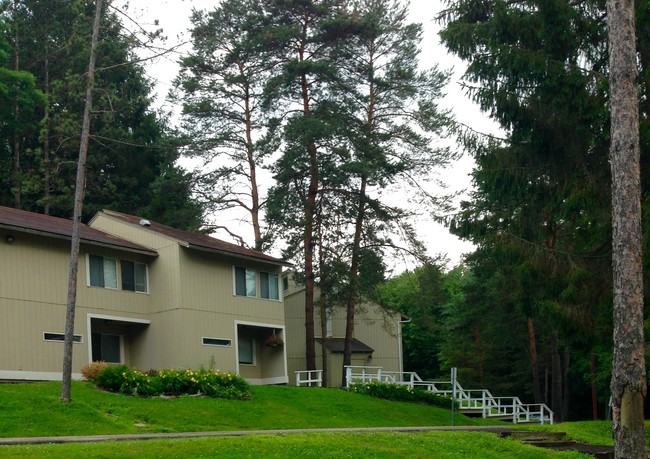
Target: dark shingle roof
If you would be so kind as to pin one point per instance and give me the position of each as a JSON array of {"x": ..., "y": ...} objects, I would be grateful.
[
  {"x": 195, "y": 240},
  {"x": 338, "y": 345},
  {"x": 20, "y": 220}
]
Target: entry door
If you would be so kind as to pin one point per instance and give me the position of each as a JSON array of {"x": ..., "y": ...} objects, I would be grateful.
[{"x": 107, "y": 348}]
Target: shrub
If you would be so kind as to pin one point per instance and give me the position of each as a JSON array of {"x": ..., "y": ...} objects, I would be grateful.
[
  {"x": 90, "y": 371},
  {"x": 400, "y": 392},
  {"x": 210, "y": 383}
]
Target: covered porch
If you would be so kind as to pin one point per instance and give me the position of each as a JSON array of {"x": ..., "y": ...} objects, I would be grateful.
[
  {"x": 261, "y": 353},
  {"x": 114, "y": 339}
]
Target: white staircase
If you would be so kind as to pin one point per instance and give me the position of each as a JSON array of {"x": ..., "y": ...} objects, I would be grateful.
[{"x": 469, "y": 401}]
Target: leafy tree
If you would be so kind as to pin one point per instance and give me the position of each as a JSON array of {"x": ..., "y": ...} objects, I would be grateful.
[
  {"x": 421, "y": 295},
  {"x": 130, "y": 146},
  {"x": 19, "y": 103}
]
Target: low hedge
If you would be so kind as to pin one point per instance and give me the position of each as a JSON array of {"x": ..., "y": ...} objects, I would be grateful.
[
  {"x": 401, "y": 392},
  {"x": 129, "y": 381}
]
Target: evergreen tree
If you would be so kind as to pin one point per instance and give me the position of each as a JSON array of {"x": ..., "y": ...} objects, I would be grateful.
[
  {"x": 539, "y": 205},
  {"x": 221, "y": 84}
]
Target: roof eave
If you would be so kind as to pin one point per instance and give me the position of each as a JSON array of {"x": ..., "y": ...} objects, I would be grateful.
[
  {"x": 236, "y": 255},
  {"x": 150, "y": 253}
]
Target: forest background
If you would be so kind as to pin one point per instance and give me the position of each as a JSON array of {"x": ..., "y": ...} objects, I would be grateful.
[{"x": 528, "y": 312}]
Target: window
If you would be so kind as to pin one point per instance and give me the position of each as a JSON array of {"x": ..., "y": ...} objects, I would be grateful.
[
  {"x": 134, "y": 276},
  {"x": 269, "y": 286},
  {"x": 103, "y": 272},
  {"x": 217, "y": 342},
  {"x": 47, "y": 336},
  {"x": 245, "y": 347},
  {"x": 245, "y": 282},
  {"x": 285, "y": 283},
  {"x": 107, "y": 348}
]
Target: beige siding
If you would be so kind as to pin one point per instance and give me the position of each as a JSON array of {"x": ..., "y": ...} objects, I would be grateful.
[
  {"x": 190, "y": 296},
  {"x": 374, "y": 326}
]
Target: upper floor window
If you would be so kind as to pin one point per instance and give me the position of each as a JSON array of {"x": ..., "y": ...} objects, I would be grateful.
[
  {"x": 134, "y": 276},
  {"x": 269, "y": 286},
  {"x": 103, "y": 271},
  {"x": 245, "y": 282}
]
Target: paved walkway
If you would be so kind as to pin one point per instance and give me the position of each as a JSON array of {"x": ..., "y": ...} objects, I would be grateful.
[{"x": 167, "y": 435}]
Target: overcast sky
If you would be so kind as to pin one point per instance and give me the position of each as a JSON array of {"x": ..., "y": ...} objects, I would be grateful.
[{"x": 173, "y": 17}]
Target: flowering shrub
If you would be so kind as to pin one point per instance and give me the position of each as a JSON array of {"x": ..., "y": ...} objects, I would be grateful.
[
  {"x": 210, "y": 383},
  {"x": 91, "y": 370},
  {"x": 400, "y": 392}
]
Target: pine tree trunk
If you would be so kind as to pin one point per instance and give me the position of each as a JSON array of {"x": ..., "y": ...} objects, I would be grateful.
[
  {"x": 556, "y": 378},
  {"x": 628, "y": 384},
  {"x": 76, "y": 221},
  {"x": 46, "y": 142},
  {"x": 565, "y": 384},
  {"x": 594, "y": 398},
  {"x": 534, "y": 360},
  {"x": 353, "y": 294},
  {"x": 17, "y": 182}
]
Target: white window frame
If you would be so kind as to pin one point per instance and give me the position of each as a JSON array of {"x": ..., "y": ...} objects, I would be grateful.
[
  {"x": 218, "y": 339},
  {"x": 78, "y": 339},
  {"x": 118, "y": 273}
]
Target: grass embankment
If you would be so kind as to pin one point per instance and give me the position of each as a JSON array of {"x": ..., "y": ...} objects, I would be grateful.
[{"x": 34, "y": 410}]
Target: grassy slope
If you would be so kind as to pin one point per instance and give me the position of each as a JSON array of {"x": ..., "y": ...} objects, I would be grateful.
[
  {"x": 22, "y": 408},
  {"x": 34, "y": 410}
]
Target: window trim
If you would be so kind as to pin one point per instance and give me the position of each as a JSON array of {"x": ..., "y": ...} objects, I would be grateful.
[
  {"x": 253, "y": 361},
  {"x": 269, "y": 275},
  {"x": 135, "y": 285},
  {"x": 55, "y": 337},
  {"x": 118, "y": 273},
  {"x": 247, "y": 272},
  {"x": 206, "y": 338},
  {"x": 88, "y": 278}
]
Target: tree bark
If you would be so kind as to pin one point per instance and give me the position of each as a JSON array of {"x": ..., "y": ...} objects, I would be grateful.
[
  {"x": 628, "y": 384},
  {"x": 353, "y": 294},
  {"x": 534, "y": 360},
  {"x": 565, "y": 384},
  {"x": 308, "y": 235},
  {"x": 17, "y": 182},
  {"x": 76, "y": 219},
  {"x": 556, "y": 378},
  {"x": 594, "y": 398}
]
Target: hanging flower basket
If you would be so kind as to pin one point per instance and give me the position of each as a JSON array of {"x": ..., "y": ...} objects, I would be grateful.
[{"x": 273, "y": 341}]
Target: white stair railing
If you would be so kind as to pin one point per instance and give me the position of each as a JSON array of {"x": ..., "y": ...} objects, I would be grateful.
[
  {"x": 472, "y": 400},
  {"x": 309, "y": 378}
]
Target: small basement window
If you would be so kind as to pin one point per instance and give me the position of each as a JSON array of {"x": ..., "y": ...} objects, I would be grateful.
[
  {"x": 217, "y": 342},
  {"x": 48, "y": 336}
]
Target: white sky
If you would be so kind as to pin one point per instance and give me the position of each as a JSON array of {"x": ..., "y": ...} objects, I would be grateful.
[{"x": 173, "y": 17}]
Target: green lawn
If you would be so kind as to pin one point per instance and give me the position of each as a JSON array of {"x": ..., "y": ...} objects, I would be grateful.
[{"x": 34, "y": 410}]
